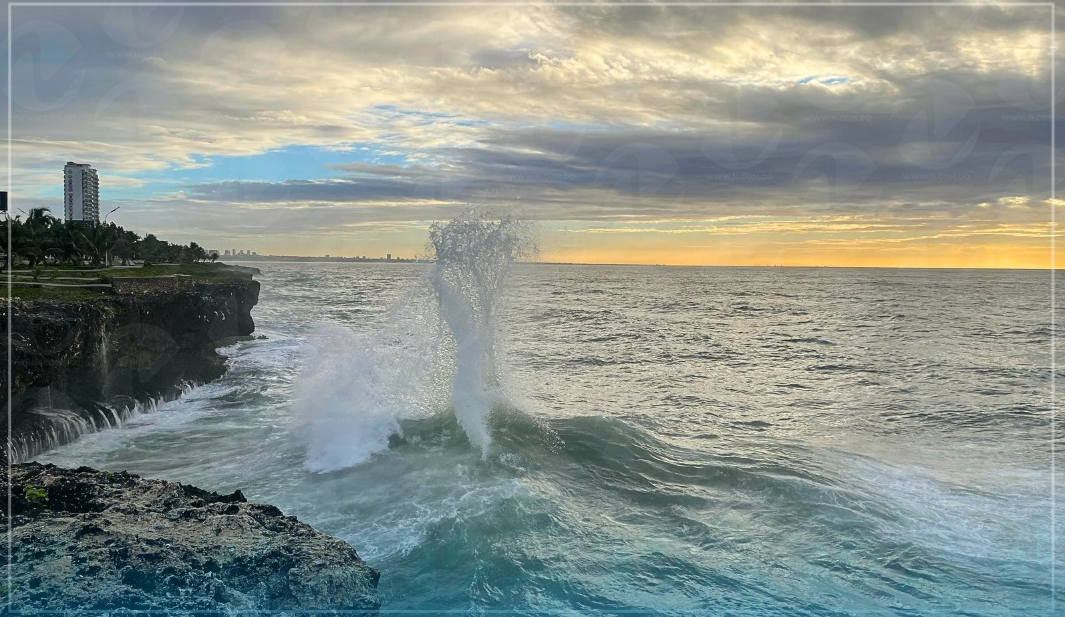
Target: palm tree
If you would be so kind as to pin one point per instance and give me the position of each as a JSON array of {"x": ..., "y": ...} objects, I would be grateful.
[
  {"x": 33, "y": 238},
  {"x": 42, "y": 237},
  {"x": 40, "y": 218},
  {"x": 113, "y": 234},
  {"x": 125, "y": 246},
  {"x": 196, "y": 252},
  {"x": 151, "y": 248},
  {"x": 98, "y": 240},
  {"x": 66, "y": 237},
  {"x": 10, "y": 226}
]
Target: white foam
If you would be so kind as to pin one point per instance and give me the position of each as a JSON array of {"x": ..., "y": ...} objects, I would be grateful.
[
  {"x": 144, "y": 418},
  {"x": 354, "y": 389},
  {"x": 474, "y": 254}
]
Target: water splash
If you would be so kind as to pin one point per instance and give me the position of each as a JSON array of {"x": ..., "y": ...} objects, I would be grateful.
[
  {"x": 61, "y": 420},
  {"x": 473, "y": 254},
  {"x": 356, "y": 387},
  {"x": 435, "y": 351}
]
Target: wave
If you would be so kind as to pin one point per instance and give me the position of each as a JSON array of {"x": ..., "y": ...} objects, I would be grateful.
[
  {"x": 674, "y": 525},
  {"x": 61, "y": 420}
]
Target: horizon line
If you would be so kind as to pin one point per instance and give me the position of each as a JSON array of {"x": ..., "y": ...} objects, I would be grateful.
[{"x": 416, "y": 260}]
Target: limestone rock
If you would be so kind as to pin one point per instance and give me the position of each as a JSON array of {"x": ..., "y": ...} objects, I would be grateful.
[{"x": 90, "y": 540}]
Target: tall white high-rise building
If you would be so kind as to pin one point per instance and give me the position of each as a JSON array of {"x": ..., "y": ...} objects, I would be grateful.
[{"x": 81, "y": 193}]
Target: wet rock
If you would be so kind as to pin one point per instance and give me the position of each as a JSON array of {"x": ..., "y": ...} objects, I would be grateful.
[
  {"x": 70, "y": 356},
  {"x": 91, "y": 540}
]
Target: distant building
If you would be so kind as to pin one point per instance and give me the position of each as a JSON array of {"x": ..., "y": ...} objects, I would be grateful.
[
  {"x": 3, "y": 201},
  {"x": 388, "y": 257},
  {"x": 81, "y": 193}
]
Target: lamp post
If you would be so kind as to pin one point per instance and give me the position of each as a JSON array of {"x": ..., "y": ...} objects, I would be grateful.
[{"x": 110, "y": 213}]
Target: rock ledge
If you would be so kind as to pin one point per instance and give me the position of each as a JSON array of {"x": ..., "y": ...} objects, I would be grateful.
[{"x": 84, "y": 539}]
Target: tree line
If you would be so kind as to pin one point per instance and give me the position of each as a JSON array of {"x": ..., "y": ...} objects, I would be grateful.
[{"x": 43, "y": 239}]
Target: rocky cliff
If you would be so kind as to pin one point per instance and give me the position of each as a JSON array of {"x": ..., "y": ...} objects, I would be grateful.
[
  {"x": 112, "y": 542},
  {"x": 82, "y": 365}
]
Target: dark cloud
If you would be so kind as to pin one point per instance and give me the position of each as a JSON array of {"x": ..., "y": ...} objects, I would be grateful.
[
  {"x": 596, "y": 112},
  {"x": 942, "y": 148}
]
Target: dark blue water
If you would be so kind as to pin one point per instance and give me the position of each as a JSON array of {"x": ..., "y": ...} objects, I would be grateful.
[{"x": 726, "y": 441}]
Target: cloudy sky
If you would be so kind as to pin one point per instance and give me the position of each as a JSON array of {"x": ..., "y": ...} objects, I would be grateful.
[{"x": 829, "y": 135}]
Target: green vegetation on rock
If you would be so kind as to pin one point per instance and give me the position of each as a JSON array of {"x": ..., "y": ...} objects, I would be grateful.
[
  {"x": 59, "y": 294},
  {"x": 36, "y": 496},
  {"x": 66, "y": 283},
  {"x": 200, "y": 271}
]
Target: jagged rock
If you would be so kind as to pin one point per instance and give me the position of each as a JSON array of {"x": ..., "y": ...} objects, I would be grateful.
[
  {"x": 91, "y": 540},
  {"x": 70, "y": 356}
]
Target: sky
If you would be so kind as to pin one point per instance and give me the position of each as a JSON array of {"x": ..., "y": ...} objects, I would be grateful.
[{"x": 713, "y": 135}]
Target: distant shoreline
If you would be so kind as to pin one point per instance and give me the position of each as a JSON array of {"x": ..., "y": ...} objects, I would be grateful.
[
  {"x": 383, "y": 260},
  {"x": 304, "y": 259}
]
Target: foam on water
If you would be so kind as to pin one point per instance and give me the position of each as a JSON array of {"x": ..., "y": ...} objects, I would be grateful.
[
  {"x": 143, "y": 418},
  {"x": 686, "y": 460},
  {"x": 344, "y": 398}
]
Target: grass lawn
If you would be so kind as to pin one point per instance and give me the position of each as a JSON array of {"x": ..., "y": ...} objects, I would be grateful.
[
  {"x": 62, "y": 294},
  {"x": 199, "y": 271},
  {"x": 205, "y": 272}
]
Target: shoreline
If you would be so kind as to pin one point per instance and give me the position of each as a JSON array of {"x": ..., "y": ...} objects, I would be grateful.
[
  {"x": 90, "y": 540},
  {"x": 82, "y": 364},
  {"x": 83, "y": 539}
]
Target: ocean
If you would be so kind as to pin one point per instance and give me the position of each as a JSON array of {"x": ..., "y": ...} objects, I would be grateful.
[{"x": 621, "y": 440}]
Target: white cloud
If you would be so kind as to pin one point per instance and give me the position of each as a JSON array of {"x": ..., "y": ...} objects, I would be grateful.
[{"x": 663, "y": 110}]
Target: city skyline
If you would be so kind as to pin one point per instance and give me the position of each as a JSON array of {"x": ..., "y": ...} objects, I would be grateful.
[{"x": 911, "y": 136}]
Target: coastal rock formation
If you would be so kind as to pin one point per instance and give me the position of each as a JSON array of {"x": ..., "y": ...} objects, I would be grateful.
[
  {"x": 69, "y": 356},
  {"x": 90, "y": 540}
]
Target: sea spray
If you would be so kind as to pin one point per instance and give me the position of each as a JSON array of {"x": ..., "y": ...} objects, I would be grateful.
[
  {"x": 473, "y": 254},
  {"x": 667, "y": 498},
  {"x": 351, "y": 417},
  {"x": 434, "y": 352},
  {"x": 355, "y": 388}
]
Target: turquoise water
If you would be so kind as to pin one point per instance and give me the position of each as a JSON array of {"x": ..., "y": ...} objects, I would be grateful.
[{"x": 723, "y": 441}]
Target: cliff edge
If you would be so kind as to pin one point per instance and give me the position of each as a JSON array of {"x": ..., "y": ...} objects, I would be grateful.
[
  {"x": 84, "y": 539},
  {"x": 80, "y": 365}
]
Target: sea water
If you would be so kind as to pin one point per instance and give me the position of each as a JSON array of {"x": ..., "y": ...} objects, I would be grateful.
[{"x": 619, "y": 440}]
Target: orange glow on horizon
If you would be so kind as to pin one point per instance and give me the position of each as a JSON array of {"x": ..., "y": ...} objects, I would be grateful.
[
  {"x": 1002, "y": 256},
  {"x": 1025, "y": 249}
]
